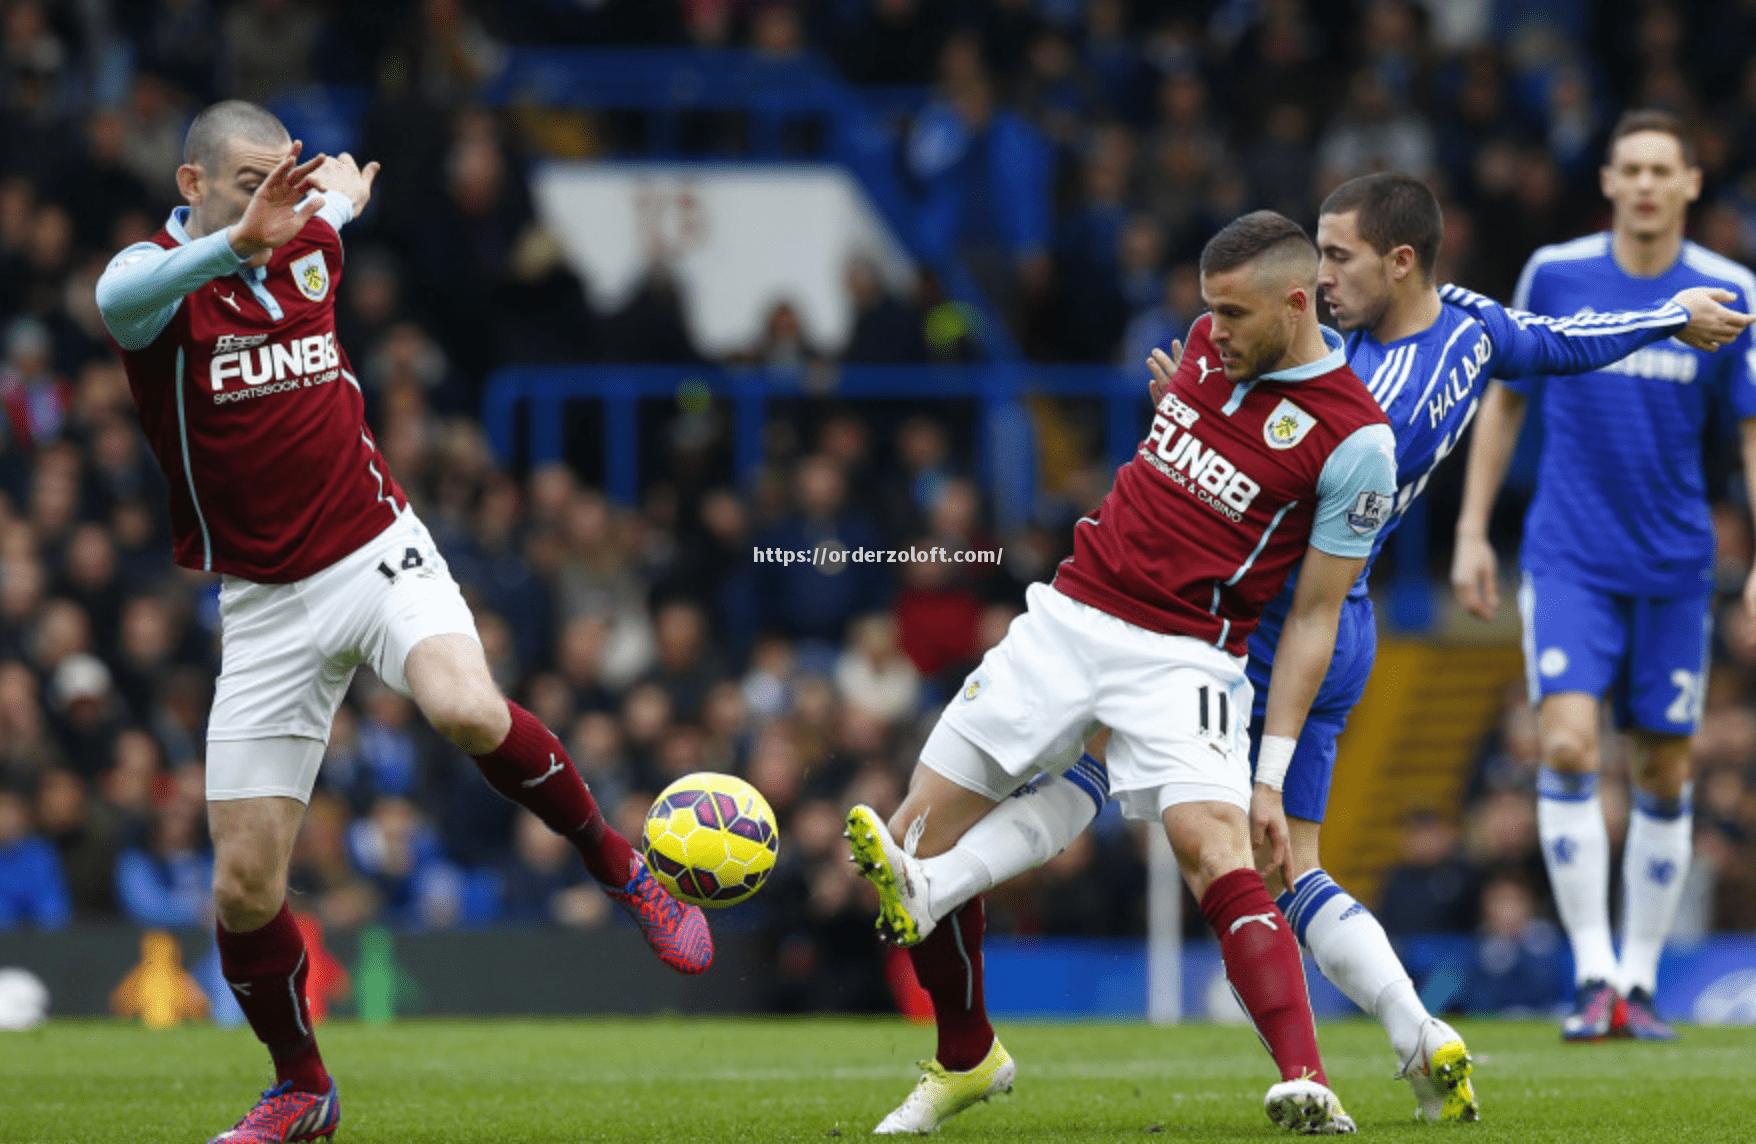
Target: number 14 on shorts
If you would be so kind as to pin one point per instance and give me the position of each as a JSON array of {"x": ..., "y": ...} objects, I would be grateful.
[{"x": 411, "y": 561}]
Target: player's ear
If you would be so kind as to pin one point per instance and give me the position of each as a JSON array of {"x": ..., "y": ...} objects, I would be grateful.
[
  {"x": 1402, "y": 261},
  {"x": 189, "y": 183},
  {"x": 1693, "y": 187}
]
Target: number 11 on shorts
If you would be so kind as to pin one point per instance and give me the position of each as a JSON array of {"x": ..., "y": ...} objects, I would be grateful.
[{"x": 1214, "y": 714}]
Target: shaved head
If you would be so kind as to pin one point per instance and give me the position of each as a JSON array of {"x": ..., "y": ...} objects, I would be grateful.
[
  {"x": 1275, "y": 246},
  {"x": 223, "y": 125}
]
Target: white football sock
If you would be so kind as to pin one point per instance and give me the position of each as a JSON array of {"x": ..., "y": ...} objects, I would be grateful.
[
  {"x": 1655, "y": 861},
  {"x": 1354, "y": 952},
  {"x": 1038, "y": 822},
  {"x": 1576, "y": 850}
]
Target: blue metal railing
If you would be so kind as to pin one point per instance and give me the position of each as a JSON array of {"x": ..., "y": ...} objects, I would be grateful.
[{"x": 1005, "y": 452}]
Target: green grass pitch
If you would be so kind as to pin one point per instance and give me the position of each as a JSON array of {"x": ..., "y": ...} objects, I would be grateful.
[{"x": 750, "y": 1081}]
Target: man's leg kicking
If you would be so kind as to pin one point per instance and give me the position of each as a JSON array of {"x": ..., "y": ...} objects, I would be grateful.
[
  {"x": 261, "y": 952},
  {"x": 969, "y": 1064},
  {"x": 525, "y": 762}
]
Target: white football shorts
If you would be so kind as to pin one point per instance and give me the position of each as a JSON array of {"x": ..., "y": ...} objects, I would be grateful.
[
  {"x": 288, "y": 653},
  {"x": 1178, "y": 710}
]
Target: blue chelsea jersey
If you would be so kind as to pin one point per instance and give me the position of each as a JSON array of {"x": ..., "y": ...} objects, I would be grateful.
[
  {"x": 1621, "y": 500},
  {"x": 1430, "y": 383}
]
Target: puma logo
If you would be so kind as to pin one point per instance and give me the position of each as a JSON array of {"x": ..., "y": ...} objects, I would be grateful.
[
  {"x": 230, "y": 299},
  {"x": 1265, "y": 919},
  {"x": 554, "y": 765},
  {"x": 1206, "y": 369}
]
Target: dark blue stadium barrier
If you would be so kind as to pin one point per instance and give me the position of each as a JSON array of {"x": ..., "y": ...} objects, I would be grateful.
[
  {"x": 1006, "y": 454},
  {"x": 465, "y": 972},
  {"x": 1712, "y": 981}
]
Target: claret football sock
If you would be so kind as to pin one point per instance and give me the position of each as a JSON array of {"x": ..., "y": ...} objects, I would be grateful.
[
  {"x": 532, "y": 769},
  {"x": 1655, "y": 861},
  {"x": 1265, "y": 970},
  {"x": 948, "y": 965},
  {"x": 1576, "y": 850},
  {"x": 1355, "y": 953},
  {"x": 266, "y": 969}
]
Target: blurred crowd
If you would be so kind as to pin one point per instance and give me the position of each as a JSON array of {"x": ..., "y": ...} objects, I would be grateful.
[{"x": 1115, "y": 135}]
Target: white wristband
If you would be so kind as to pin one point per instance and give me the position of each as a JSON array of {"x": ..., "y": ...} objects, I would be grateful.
[{"x": 1272, "y": 760}]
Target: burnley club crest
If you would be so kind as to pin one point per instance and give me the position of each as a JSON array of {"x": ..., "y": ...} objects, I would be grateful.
[
  {"x": 1287, "y": 425},
  {"x": 311, "y": 276}
]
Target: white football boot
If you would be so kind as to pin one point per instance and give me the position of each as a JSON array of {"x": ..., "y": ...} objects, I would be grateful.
[
  {"x": 1439, "y": 1073},
  {"x": 904, "y": 913},
  {"x": 941, "y": 1094},
  {"x": 1307, "y": 1108}
]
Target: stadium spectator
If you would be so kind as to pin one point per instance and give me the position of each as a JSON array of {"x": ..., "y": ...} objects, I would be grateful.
[
  {"x": 87, "y": 838},
  {"x": 1519, "y": 962},
  {"x": 168, "y": 881},
  {"x": 1434, "y": 888},
  {"x": 32, "y": 891}
]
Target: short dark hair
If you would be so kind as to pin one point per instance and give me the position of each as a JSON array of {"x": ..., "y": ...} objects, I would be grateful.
[
  {"x": 1250, "y": 237},
  {"x": 1393, "y": 210},
  {"x": 212, "y": 131},
  {"x": 1651, "y": 119}
]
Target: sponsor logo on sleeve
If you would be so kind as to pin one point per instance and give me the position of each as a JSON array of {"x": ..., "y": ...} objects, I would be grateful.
[{"x": 1370, "y": 511}]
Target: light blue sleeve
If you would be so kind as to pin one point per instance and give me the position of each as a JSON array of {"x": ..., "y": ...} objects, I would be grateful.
[
  {"x": 337, "y": 210},
  {"x": 1527, "y": 344},
  {"x": 142, "y": 287},
  {"x": 1355, "y": 492}
]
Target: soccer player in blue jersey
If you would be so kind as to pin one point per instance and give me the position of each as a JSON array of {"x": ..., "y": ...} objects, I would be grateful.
[
  {"x": 1425, "y": 353},
  {"x": 1617, "y": 560}
]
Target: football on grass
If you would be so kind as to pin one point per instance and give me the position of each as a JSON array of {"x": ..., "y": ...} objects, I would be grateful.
[{"x": 710, "y": 839}]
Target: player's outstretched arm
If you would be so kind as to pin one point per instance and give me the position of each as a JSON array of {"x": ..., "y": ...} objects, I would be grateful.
[
  {"x": 140, "y": 290},
  {"x": 1475, "y": 577},
  {"x": 280, "y": 208},
  {"x": 1531, "y": 345},
  {"x": 1301, "y": 659}
]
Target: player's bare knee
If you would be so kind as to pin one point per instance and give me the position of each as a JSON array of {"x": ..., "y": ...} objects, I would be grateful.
[
  {"x": 1208, "y": 847},
  {"x": 474, "y": 719},
  {"x": 247, "y": 893},
  {"x": 1569, "y": 751},
  {"x": 1662, "y": 769}
]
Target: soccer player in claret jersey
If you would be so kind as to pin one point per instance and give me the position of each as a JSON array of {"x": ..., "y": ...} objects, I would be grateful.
[
  {"x": 1266, "y": 449},
  {"x": 225, "y": 321},
  {"x": 1618, "y": 558},
  {"x": 1426, "y": 352}
]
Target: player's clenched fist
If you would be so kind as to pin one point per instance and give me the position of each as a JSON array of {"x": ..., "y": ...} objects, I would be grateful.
[{"x": 275, "y": 215}]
